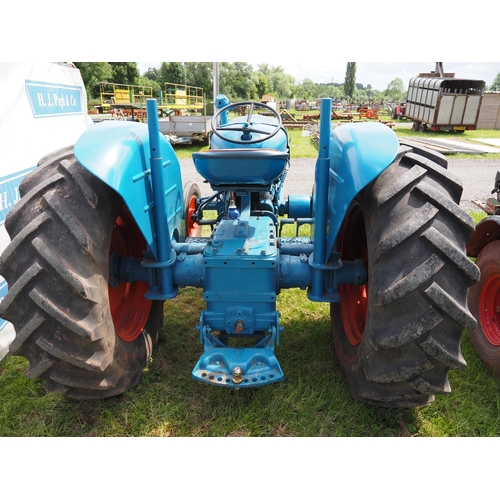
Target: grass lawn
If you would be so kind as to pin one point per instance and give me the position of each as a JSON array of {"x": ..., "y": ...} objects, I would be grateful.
[
  {"x": 312, "y": 401},
  {"x": 301, "y": 146}
]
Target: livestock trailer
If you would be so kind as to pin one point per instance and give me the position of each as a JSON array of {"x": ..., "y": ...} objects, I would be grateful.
[{"x": 443, "y": 103}]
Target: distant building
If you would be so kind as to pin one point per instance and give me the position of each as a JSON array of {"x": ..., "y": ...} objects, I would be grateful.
[{"x": 489, "y": 115}]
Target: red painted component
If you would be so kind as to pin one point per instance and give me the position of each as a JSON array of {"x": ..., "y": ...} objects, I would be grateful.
[
  {"x": 489, "y": 309},
  {"x": 193, "y": 228},
  {"x": 129, "y": 309},
  {"x": 353, "y": 299}
]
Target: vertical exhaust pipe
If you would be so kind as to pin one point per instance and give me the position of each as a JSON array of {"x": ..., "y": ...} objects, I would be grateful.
[
  {"x": 321, "y": 202},
  {"x": 166, "y": 255}
]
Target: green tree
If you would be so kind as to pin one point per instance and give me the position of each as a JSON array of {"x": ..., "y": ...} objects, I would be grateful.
[
  {"x": 199, "y": 74},
  {"x": 235, "y": 80},
  {"x": 172, "y": 72},
  {"x": 125, "y": 73},
  {"x": 151, "y": 74},
  {"x": 146, "y": 82},
  {"x": 281, "y": 85},
  {"x": 308, "y": 90},
  {"x": 261, "y": 84},
  {"x": 395, "y": 90},
  {"x": 264, "y": 68},
  {"x": 373, "y": 95},
  {"x": 350, "y": 79},
  {"x": 333, "y": 91},
  {"x": 93, "y": 73},
  {"x": 361, "y": 95},
  {"x": 495, "y": 86}
]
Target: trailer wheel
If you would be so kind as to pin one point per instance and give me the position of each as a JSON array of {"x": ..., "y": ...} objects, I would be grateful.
[
  {"x": 484, "y": 303},
  {"x": 191, "y": 192},
  {"x": 85, "y": 334},
  {"x": 397, "y": 336}
]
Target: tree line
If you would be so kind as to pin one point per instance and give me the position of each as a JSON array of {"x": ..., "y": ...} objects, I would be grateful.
[{"x": 239, "y": 81}]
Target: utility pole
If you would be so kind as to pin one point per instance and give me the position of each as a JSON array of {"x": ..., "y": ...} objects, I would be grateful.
[{"x": 215, "y": 67}]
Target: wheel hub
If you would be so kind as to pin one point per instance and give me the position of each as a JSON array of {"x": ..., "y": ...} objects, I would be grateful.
[
  {"x": 193, "y": 228},
  {"x": 129, "y": 309},
  {"x": 489, "y": 309},
  {"x": 353, "y": 298}
]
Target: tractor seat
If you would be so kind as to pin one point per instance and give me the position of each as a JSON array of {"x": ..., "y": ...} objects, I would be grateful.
[{"x": 240, "y": 166}]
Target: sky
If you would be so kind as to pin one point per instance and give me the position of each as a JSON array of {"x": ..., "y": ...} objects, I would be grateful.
[
  {"x": 305, "y": 39},
  {"x": 376, "y": 74}
]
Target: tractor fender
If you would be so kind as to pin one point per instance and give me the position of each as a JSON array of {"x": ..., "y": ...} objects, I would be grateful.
[
  {"x": 486, "y": 231},
  {"x": 118, "y": 153},
  {"x": 359, "y": 153}
]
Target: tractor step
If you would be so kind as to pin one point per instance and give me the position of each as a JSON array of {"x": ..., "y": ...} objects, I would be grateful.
[{"x": 238, "y": 367}]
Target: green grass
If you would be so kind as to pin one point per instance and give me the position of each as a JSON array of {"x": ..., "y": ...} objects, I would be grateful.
[
  {"x": 313, "y": 400},
  {"x": 303, "y": 147},
  {"x": 300, "y": 146},
  {"x": 477, "y": 216},
  {"x": 467, "y": 135}
]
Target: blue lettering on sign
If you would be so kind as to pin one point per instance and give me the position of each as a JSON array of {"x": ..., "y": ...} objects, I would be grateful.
[
  {"x": 54, "y": 99},
  {"x": 9, "y": 191}
]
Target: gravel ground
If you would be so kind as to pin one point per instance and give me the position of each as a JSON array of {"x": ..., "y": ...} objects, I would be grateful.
[{"x": 477, "y": 176}]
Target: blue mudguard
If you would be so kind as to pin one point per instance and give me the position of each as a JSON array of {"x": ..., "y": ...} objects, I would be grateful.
[
  {"x": 359, "y": 153},
  {"x": 118, "y": 153}
]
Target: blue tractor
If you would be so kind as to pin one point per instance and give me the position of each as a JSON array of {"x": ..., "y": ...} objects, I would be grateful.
[{"x": 105, "y": 232}]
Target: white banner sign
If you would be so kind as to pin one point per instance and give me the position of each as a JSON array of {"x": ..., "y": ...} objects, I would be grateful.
[{"x": 43, "y": 107}]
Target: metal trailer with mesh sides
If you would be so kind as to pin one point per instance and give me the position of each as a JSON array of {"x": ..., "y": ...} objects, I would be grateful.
[{"x": 440, "y": 103}]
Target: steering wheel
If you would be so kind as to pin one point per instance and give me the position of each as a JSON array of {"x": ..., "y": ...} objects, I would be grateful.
[{"x": 246, "y": 127}]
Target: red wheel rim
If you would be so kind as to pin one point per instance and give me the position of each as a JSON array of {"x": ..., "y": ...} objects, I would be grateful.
[
  {"x": 353, "y": 299},
  {"x": 489, "y": 309},
  {"x": 129, "y": 309},
  {"x": 193, "y": 228}
]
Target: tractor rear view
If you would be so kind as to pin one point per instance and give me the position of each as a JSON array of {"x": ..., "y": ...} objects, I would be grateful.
[{"x": 105, "y": 232}]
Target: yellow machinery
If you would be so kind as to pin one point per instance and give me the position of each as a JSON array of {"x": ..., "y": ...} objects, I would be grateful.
[
  {"x": 176, "y": 96},
  {"x": 129, "y": 100}
]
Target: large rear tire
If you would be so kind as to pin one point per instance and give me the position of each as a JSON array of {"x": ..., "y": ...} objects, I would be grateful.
[
  {"x": 484, "y": 303},
  {"x": 397, "y": 336},
  {"x": 83, "y": 337}
]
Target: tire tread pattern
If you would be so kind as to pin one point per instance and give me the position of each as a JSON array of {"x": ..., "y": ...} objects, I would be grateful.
[
  {"x": 417, "y": 287},
  {"x": 56, "y": 266}
]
